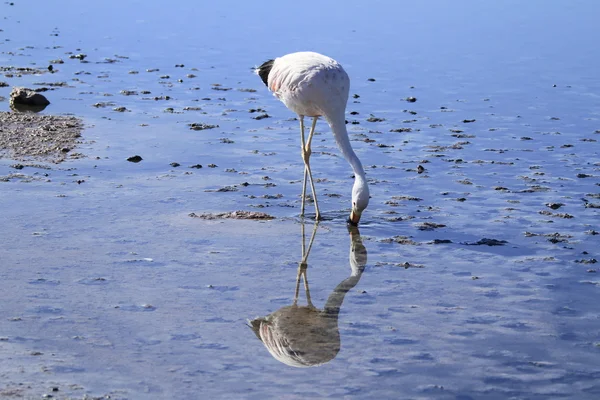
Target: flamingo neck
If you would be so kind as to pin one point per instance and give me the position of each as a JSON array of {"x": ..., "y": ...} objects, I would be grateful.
[{"x": 338, "y": 127}]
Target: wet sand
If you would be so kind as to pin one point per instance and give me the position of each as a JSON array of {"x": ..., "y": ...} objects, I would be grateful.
[{"x": 29, "y": 136}]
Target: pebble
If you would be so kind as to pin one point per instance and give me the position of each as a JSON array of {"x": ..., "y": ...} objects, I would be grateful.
[{"x": 135, "y": 159}]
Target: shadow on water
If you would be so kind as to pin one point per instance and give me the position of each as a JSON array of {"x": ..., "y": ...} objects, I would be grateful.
[{"x": 306, "y": 336}]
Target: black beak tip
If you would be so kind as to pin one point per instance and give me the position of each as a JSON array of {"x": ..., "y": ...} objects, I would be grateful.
[{"x": 351, "y": 223}]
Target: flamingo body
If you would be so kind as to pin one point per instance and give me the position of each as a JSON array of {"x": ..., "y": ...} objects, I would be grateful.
[
  {"x": 309, "y": 84},
  {"x": 313, "y": 85}
]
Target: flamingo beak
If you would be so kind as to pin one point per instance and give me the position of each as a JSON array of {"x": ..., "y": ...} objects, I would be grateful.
[{"x": 354, "y": 218}]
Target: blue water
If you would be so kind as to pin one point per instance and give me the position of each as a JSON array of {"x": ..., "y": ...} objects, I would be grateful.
[{"x": 124, "y": 294}]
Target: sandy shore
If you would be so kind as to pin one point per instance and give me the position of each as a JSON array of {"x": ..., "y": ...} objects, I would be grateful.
[{"x": 29, "y": 136}]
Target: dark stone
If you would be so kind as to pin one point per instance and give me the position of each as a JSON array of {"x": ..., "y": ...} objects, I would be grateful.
[
  {"x": 200, "y": 127},
  {"x": 487, "y": 242},
  {"x": 23, "y": 99},
  {"x": 135, "y": 159},
  {"x": 262, "y": 116}
]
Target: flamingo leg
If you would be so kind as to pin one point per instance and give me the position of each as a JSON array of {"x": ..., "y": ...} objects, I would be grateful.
[
  {"x": 306, "y": 152},
  {"x": 305, "y": 171}
]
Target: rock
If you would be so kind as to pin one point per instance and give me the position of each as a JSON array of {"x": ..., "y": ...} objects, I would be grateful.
[
  {"x": 135, "y": 159},
  {"x": 23, "y": 99},
  {"x": 429, "y": 226},
  {"x": 487, "y": 242},
  {"x": 441, "y": 241},
  {"x": 200, "y": 127},
  {"x": 554, "y": 206},
  {"x": 79, "y": 56}
]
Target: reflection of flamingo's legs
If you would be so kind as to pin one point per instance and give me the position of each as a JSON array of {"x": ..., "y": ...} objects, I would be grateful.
[
  {"x": 303, "y": 240},
  {"x": 310, "y": 243},
  {"x": 301, "y": 271},
  {"x": 310, "y": 304},
  {"x": 303, "y": 265}
]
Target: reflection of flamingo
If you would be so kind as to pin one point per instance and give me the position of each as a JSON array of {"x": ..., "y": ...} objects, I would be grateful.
[
  {"x": 304, "y": 336},
  {"x": 313, "y": 85}
]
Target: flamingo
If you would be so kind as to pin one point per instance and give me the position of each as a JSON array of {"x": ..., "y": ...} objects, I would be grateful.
[{"x": 313, "y": 85}]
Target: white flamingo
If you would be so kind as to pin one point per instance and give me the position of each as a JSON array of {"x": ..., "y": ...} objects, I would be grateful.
[{"x": 314, "y": 85}]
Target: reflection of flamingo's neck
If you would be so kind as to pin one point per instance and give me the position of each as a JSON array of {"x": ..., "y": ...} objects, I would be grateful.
[
  {"x": 358, "y": 260},
  {"x": 336, "y": 298}
]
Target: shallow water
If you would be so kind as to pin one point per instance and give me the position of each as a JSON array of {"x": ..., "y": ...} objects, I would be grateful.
[{"x": 109, "y": 287}]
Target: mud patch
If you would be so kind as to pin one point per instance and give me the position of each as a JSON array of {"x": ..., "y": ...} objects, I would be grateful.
[
  {"x": 404, "y": 240},
  {"x": 40, "y": 137},
  {"x": 234, "y": 215},
  {"x": 487, "y": 242}
]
